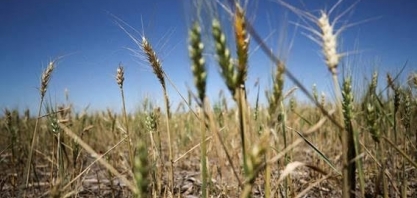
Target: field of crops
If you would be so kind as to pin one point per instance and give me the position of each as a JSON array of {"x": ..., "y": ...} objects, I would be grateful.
[{"x": 361, "y": 144}]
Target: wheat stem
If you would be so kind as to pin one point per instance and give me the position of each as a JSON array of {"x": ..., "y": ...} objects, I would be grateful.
[
  {"x": 159, "y": 72},
  {"x": 196, "y": 48},
  {"x": 46, "y": 76},
  {"x": 120, "y": 79}
]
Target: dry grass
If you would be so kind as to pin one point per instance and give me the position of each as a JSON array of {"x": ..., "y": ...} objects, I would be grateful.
[{"x": 95, "y": 180}]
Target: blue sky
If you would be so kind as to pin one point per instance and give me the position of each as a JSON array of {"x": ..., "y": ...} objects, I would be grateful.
[{"x": 92, "y": 45}]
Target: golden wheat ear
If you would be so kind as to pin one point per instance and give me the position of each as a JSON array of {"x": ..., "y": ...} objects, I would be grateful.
[
  {"x": 120, "y": 76},
  {"x": 242, "y": 45},
  {"x": 46, "y": 77},
  {"x": 153, "y": 60}
]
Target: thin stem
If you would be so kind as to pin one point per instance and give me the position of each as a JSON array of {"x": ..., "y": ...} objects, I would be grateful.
[
  {"x": 29, "y": 161},
  {"x": 171, "y": 161},
  {"x": 131, "y": 154},
  {"x": 242, "y": 128},
  {"x": 203, "y": 153}
]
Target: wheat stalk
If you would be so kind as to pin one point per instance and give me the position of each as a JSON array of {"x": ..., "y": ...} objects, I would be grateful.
[
  {"x": 234, "y": 77},
  {"x": 196, "y": 48},
  {"x": 159, "y": 72},
  {"x": 119, "y": 80},
  {"x": 327, "y": 37},
  {"x": 120, "y": 76},
  {"x": 46, "y": 77},
  {"x": 350, "y": 138}
]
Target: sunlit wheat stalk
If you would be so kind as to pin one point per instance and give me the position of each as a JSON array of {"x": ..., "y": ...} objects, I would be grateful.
[
  {"x": 235, "y": 75},
  {"x": 46, "y": 77},
  {"x": 229, "y": 74},
  {"x": 120, "y": 79},
  {"x": 158, "y": 71},
  {"x": 241, "y": 69}
]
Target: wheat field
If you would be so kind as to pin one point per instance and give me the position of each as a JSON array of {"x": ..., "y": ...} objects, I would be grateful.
[{"x": 361, "y": 144}]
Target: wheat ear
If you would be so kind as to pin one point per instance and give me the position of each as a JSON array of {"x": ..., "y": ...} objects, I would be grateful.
[
  {"x": 224, "y": 57},
  {"x": 195, "y": 49},
  {"x": 242, "y": 45},
  {"x": 274, "y": 98}
]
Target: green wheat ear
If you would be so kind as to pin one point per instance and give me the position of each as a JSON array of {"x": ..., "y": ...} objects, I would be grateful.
[
  {"x": 276, "y": 96},
  {"x": 347, "y": 101},
  {"x": 224, "y": 58},
  {"x": 198, "y": 68},
  {"x": 371, "y": 122}
]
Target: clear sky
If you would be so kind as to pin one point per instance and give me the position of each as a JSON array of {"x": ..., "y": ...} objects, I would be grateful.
[{"x": 86, "y": 34}]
